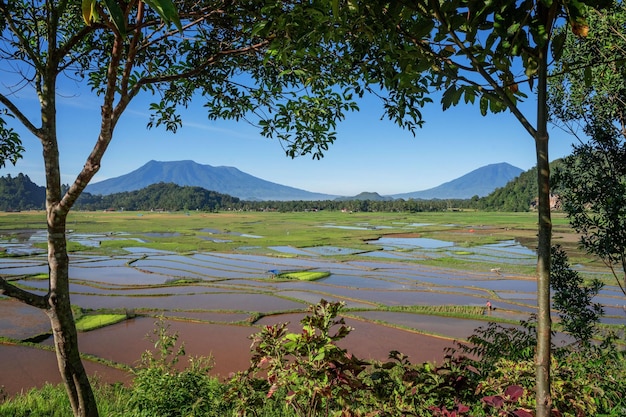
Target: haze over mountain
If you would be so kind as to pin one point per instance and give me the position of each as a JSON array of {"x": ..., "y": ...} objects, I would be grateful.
[
  {"x": 231, "y": 181},
  {"x": 480, "y": 182}
]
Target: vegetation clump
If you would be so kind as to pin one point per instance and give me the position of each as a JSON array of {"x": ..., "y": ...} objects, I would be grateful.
[
  {"x": 308, "y": 373},
  {"x": 95, "y": 321},
  {"x": 303, "y": 275}
]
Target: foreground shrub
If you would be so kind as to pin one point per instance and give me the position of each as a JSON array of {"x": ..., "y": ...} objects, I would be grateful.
[
  {"x": 400, "y": 388},
  {"x": 308, "y": 369},
  {"x": 161, "y": 389},
  {"x": 307, "y": 374}
]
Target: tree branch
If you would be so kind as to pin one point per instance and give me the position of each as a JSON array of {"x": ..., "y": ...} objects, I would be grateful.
[
  {"x": 107, "y": 124},
  {"x": 25, "y": 297},
  {"x": 19, "y": 115},
  {"x": 478, "y": 68},
  {"x": 196, "y": 70},
  {"x": 9, "y": 20}
]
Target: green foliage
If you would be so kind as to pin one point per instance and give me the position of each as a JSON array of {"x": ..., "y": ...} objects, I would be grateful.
[
  {"x": 587, "y": 95},
  {"x": 304, "y": 275},
  {"x": 160, "y": 196},
  {"x": 399, "y": 388},
  {"x": 588, "y": 83},
  {"x": 495, "y": 342},
  {"x": 307, "y": 374},
  {"x": 96, "y": 321},
  {"x": 11, "y": 148},
  {"x": 160, "y": 389},
  {"x": 52, "y": 401},
  {"x": 574, "y": 301},
  {"x": 316, "y": 374},
  {"x": 592, "y": 185},
  {"x": 20, "y": 193}
]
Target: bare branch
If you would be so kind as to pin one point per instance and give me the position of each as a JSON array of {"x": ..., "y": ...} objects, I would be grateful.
[
  {"x": 25, "y": 297},
  {"x": 19, "y": 115}
]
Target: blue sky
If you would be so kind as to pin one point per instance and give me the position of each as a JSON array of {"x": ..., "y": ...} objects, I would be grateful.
[{"x": 369, "y": 155}]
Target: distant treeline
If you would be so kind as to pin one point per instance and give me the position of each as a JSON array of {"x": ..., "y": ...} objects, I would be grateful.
[{"x": 20, "y": 193}]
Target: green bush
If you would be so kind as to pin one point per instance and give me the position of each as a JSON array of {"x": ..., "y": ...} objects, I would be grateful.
[
  {"x": 160, "y": 389},
  {"x": 318, "y": 376},
  {"x": 307, "y": 374}
]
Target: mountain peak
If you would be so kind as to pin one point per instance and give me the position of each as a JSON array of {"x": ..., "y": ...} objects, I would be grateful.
[
  {"x": 481, "y": 182},
  {"x": 225, "y": 180},
  {"x": 232, "y": 181}
]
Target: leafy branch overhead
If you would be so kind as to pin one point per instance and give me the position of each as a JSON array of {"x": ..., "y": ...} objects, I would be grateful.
[{"x": 92, "y": 11}]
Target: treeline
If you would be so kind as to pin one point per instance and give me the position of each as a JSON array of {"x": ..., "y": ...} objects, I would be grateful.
[
  {"x": 411, "y": 206},
  {"x": 20, "y": 193}
]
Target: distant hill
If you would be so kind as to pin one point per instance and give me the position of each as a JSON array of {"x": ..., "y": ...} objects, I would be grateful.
[
  {"x": 159, "y": 196},
  {"x": 20, "y": 193},
  {"x": 517, "y": 195},
  {"x": 366, "y": 196},
  {"x": 480, "y": 182},
  {"x": 225, "y": 180}
]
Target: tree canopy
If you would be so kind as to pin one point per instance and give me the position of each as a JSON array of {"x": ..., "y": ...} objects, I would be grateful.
[{"x": 588, "y": 97}]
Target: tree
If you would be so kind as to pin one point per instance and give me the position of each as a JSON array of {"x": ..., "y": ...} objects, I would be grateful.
[
  {"x": 256, "y": 59},
  {"x": 485, "y": 51},
  {"x": 588, "y": 93}
]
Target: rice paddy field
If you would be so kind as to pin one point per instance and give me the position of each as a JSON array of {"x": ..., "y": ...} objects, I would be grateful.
[{"x": 410, "y": 282}]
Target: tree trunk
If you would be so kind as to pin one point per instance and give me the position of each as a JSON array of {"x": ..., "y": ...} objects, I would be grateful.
[
  {"x": 542, "y": 360},
  {"x": 62, "y": 321}
]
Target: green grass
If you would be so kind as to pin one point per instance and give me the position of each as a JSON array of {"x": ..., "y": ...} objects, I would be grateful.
[
  {"x": 52, "y": 401},
  {"x": 301, "y": 230},
  {"x": 96, "y": 321},
  {"x": 304, "y": 275}
]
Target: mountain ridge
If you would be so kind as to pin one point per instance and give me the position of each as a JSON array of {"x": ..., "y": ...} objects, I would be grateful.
[
  {"x": 481, "y": 182},
  {"x": 222, "y": 179},
  {"x": 232, "y": 181}
]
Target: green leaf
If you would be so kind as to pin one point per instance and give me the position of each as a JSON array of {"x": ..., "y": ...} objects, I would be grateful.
[
  {"x": 558, "y": 42},
  {"x": 484, "y": 105},
  {"x": 587, "y": 76},
  {"x": 117, "y": 16},
  {"x": 167, "y": 11},
  {"x": 88, "y": 8}
]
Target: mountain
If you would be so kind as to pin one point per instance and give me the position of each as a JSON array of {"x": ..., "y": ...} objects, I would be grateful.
[
  {"x": 519, "y": 194},
  {"x": 225, "y": 180},
  {"x": 480, "y": 182}
]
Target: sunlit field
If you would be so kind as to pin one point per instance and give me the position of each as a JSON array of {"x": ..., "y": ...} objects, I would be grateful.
[{"x": 422, "y": 280}]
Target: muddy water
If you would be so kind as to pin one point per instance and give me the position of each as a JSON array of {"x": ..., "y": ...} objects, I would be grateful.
[
  {"x": 24, "y": 368},
  {"x": 373, "y": 341},
  {"x": 236, "y": 287},
  {"x": 20, "y": 321},
  {"x": 212, "y": 301}
]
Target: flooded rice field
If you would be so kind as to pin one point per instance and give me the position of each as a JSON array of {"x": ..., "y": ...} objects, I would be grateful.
[{"x": 215, "y": 301}]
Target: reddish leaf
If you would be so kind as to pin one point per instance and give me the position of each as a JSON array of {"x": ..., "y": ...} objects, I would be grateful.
[
  {"x": 494, "y": 401},
  {"x": 514, "y": 392},
  {"x": 272, "y": 390},
  {"x": 462, "y": 408},
  {"x": 472, "y": 369},
  {"x": 522, "y": 413}
]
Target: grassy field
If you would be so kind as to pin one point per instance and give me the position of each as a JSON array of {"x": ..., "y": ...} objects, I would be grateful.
[{"x": 184, "y": 232}]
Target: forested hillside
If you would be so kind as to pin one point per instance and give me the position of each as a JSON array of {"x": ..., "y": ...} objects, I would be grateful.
[
  {"x": 161, "y": 196},
  {"x": 517, "y": 195},
  {"x": 20, "y": 193}
]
